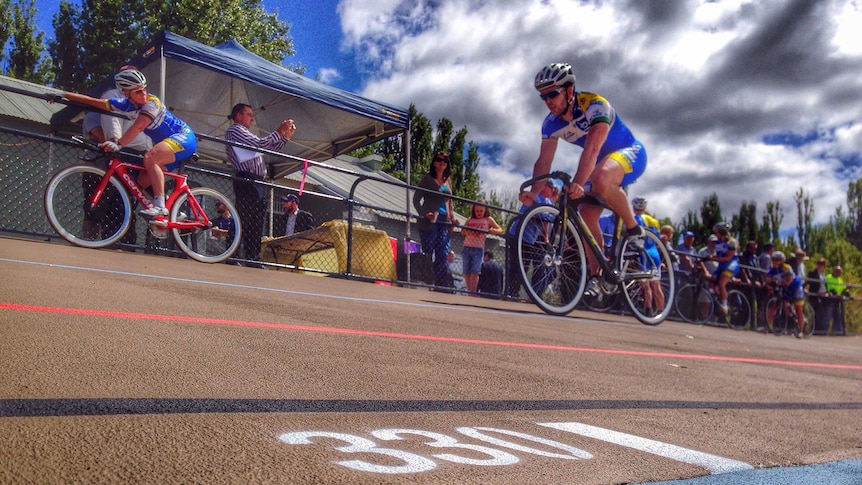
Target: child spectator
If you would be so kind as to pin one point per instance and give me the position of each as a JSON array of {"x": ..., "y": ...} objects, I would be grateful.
[{"x": 475, "y": 230}]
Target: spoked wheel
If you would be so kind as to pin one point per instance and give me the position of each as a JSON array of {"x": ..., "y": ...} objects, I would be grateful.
[
  {"x": 643, "y": 272},
  {"x": 739, "y": 315},
  {"x": 776, "y": 317},
  {"x": 552, "y": 278},
  {"x": 808, "y": 326},
  {"x": 694, "y": 304},
  {"x": 68, "y": 211},
  {"x": 199, "y": 243}
]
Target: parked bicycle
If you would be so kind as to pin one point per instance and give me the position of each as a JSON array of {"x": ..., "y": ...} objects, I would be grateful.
[
  {"x": 695, "y": 302},
  {"x": 77, "y": 194},
  {"x": 553, "y": 268}
]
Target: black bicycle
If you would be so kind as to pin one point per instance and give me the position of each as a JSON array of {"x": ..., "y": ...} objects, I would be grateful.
[{"x": 553, "y": 262}]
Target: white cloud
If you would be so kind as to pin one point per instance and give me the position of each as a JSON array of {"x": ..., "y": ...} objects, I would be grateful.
[
  {"x": 701, "y": 83},
  {"x": 328, "y": 75}
]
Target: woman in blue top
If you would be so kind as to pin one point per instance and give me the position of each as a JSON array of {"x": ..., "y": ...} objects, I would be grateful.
[
  {"x": 173, "y": 140},
  {"x": 436, "y": 218}
]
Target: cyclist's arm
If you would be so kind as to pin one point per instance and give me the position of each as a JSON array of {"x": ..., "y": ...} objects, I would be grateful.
[
  {"x": 137, "y": 127},
  {"x": 592, "y": 146},
  {"x": 97, "y": 103}
]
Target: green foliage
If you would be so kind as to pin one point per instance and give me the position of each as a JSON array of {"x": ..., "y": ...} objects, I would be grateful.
[
  {"x": 96, "y": 37},
  {"x": 5, "y": 27},
  {"x": 804, "y": 214},
  {"x": 25, "y": 58}
]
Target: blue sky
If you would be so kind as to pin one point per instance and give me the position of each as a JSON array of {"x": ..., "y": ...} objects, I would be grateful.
[{"x": 747, "y": 99}]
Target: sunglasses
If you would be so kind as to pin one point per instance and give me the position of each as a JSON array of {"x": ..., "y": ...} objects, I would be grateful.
[
  {"x": 440, "y": 160},
  {"x": 552, "y": 94},
  {"x": 139, "y": 91}
]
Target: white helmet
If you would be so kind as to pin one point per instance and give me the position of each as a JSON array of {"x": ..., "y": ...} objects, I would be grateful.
[
  {"x": 130, "y": 79},
  {"x": 556, "y": 74},
  {"x": 639, "y": 204}
]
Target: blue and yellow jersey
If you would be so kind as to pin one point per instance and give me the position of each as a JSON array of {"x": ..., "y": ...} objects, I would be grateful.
[
  {"x": 163, "y": 123},
  {"x": 794, "y": 291},
  {"x": 723, "y": 247},
  {"x": 589, "y": 110}
]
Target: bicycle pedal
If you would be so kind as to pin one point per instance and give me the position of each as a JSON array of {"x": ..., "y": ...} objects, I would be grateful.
[{"x": 161, "y": 222}]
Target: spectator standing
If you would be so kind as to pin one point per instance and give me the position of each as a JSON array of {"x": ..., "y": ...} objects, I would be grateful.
[
  {"x": 294, "y": 220},
  {"x": 707, "y": 252},
  {"x": 436, "y": 217},
  {"x": 475, "y": 231},
  {"x": 491, "y": 276},
  {"x": 250, "y": 168},
  {"x": 766, "y": 256},
  {"x": 817, "y": 297},
  {"x": 666, "y": 235},
  {"x": 798, "y": 263},
  {"x": 684, "y": 250},
  {"x": 837, "y": 290},
  {"x": 224, "y": 227},
  {"x": 532, "y": 234}
]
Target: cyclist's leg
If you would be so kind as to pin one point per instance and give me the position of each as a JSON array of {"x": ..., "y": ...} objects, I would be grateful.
[
  {"x": 590, "y": 214},
  {"x": 617, "y": 170},
  {"x": 800, "y": 317}
]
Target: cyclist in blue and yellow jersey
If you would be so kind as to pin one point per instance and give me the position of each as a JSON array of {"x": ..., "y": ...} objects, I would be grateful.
[
  {"x": 173, "y": 140},
  {"x": 793, "y": 292},
  {"x": 611, "y": 158},
  {"x": 728, "y": 262}
]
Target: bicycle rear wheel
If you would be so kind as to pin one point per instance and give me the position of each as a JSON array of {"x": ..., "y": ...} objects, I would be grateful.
[
  {"x": 68, "y": 211},
  {"x": 553, "y": 279},
  {"x": 740, "y": 310},
  {"x": 808, "y": 326},
  {"x": 694, "y": 304},
  {"x": 647, "y": 279},
  {"x": 198, "y": 243}
]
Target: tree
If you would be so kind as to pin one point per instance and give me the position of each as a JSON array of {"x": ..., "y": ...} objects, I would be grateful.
[
  {"x": 804, "y": 214},
  {"x": 26, "y": 60},
  {"x": 93, "y": 40},
  {"x": 5, "y": 28},
  {"x": 710, "y": 212},
  {"x": 773, "y": 216},
  {"x": 745, "y": 224},
  {"x": 854, "y": 208}
]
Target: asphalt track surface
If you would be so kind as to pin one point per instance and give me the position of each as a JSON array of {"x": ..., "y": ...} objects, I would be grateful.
[{"x": 128, "y": 368}]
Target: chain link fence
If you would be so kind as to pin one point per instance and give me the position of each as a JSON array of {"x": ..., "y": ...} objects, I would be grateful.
[{"x": 359, "y": 240}]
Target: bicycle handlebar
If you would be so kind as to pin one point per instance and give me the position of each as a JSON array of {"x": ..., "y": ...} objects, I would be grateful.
[{"x": 552, "y": 175}]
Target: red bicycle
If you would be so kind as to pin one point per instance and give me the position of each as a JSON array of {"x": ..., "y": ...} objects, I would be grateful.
[{"x": 91, "y": 207}]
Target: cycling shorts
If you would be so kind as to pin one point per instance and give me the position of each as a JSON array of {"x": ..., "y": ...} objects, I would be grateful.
[
  {"x": 183, "y": 144},
  {"x": 633, "y": 160},
  {"x": 727, "y": 268}
]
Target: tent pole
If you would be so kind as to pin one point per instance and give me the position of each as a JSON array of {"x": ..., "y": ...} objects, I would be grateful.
[
  {"x": 406, "y": 150},
  {"x": 162, "y": 76}
]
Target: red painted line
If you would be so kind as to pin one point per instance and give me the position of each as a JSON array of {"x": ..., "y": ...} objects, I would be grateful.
[{"x": 347, "y": 331}]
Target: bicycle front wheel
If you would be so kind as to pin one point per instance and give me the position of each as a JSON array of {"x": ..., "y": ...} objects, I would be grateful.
[
  {"x": 739, "y": 315},
  {"x": 553, "y": 270},
  {"x": 69, "y": 212},
  {"x": 647, "y": 279},
  {"x": 199, "y": 243},
  {"x": 776, "y": 317}
]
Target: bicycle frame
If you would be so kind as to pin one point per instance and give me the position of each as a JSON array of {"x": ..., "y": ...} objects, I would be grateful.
[
  {"x": 120, "y": 169},
  {"x": 569, "y": 211}
]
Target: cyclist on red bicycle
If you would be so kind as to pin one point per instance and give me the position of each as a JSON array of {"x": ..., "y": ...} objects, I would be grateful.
[
  {"x": 173, "y": 140},
  {"x": 611, "y": 159}
]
